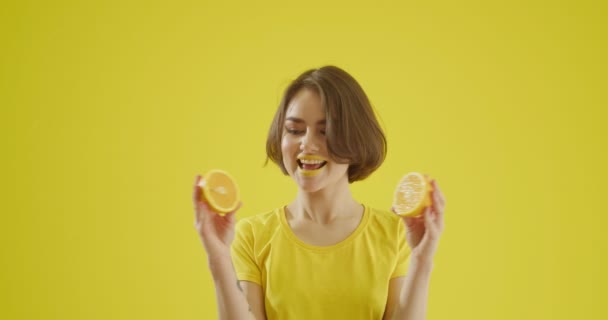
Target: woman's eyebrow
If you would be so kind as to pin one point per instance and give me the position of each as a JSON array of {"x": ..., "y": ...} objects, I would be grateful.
[{"x": 298, "y": 120}]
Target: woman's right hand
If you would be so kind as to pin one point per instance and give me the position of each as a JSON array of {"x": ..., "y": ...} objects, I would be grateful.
[{"x": 216, "y": 231}]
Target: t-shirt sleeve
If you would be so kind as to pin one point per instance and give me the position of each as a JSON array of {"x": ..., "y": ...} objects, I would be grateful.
[
  {"x": 243, "y": 255},
  {"x": 403, "y": 252}
]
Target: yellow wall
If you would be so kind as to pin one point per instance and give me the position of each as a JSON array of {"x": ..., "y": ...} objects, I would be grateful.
[{"x": 110, "y": 109}]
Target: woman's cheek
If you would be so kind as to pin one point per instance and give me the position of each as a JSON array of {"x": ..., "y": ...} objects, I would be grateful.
[{"x": 286, "y": 154}]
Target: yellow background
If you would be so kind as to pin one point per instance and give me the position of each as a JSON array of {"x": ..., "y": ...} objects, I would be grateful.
[{"x": 110, "y": 108}]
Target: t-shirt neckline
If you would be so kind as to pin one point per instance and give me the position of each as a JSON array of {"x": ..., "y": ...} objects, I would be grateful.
[{"x": 292, "y": 236}]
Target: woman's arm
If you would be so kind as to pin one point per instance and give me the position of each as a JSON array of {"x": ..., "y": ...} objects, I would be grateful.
[
  {"x": 255, "y": 296},
  {"x": 413, "y": 296},
  {"x": 217, "y": 232},
  {"x": 423, "y": 237},
  {"x": 232, "y": 302}
]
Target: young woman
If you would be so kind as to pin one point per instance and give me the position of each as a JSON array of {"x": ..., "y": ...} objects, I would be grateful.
[{"x": 324, "y": 255}]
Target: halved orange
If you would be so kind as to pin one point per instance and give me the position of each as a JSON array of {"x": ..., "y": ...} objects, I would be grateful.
[
  {"x": 220, "y": 190},
  {"x": 413, "y": 195}
]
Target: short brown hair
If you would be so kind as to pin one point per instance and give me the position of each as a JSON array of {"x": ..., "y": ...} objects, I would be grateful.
[{"x": 353, "y": 133}]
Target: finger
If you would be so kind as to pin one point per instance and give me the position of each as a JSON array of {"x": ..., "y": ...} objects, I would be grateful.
[
  {"x": 196, "y": 196},
  {"x": 429, "y": 224},
  {"x": 203, "y": 213},
  {"x": 428, "y": 213},
  {"x": 230, "y": 216},
  {"x": 437, "y": 203},
  {"x": 428, "y": 236},
  {"x": 413, "y": 221},
  {"x": 436, "y": 195},
  {"x": 438, "y": 219},
  {"x": 433, "y": 195},
  {"x": 437, "y": 190},
  {"x": 409, "y": 222}
]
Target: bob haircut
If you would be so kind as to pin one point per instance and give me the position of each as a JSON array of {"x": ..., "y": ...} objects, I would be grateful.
[{"x": 352, "y": 131}]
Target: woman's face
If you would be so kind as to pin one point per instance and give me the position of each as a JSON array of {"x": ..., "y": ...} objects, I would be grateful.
[{"x": 304, "y": 146}]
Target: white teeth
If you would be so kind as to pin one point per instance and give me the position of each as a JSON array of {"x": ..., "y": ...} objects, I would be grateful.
[{"x": 311, "y": 161}]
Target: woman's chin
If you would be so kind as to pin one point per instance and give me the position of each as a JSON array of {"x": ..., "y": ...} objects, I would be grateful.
[{"x": 308, "y": 183}]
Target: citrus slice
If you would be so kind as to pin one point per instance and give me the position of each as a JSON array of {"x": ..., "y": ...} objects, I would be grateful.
[
  {"x": 220, "y": 190},
  {"x": 413, "y": 195}
]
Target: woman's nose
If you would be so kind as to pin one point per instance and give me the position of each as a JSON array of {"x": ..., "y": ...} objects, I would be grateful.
[{"x": 308, "y": 144}]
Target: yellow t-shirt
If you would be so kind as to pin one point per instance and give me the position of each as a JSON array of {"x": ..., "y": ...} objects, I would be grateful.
[{"x": 348, "y": 280}]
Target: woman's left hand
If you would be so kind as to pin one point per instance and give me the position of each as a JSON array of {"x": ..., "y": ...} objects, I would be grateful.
[{"x": 423, "y": 232}]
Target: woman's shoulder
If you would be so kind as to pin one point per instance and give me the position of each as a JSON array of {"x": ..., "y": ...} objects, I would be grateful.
[
  {"x": 384, "y": 220},
  {"x": 260, "y": 222},
  {"x": 384, "y": 216}
]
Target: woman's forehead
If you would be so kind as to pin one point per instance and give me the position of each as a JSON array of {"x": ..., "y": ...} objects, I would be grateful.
[{"x": 306, "y": 105}]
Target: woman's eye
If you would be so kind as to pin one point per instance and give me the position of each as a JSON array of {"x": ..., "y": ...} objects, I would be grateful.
[
  {"x": 293, "y": 131},
  {"x": 323, "y": 132}
]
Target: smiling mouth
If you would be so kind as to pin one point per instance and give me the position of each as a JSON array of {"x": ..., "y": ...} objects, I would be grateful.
[{"x": 310, "y": 165}]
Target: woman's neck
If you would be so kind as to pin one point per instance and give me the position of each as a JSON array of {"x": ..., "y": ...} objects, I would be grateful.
[{"x": 326, "y": 206}]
